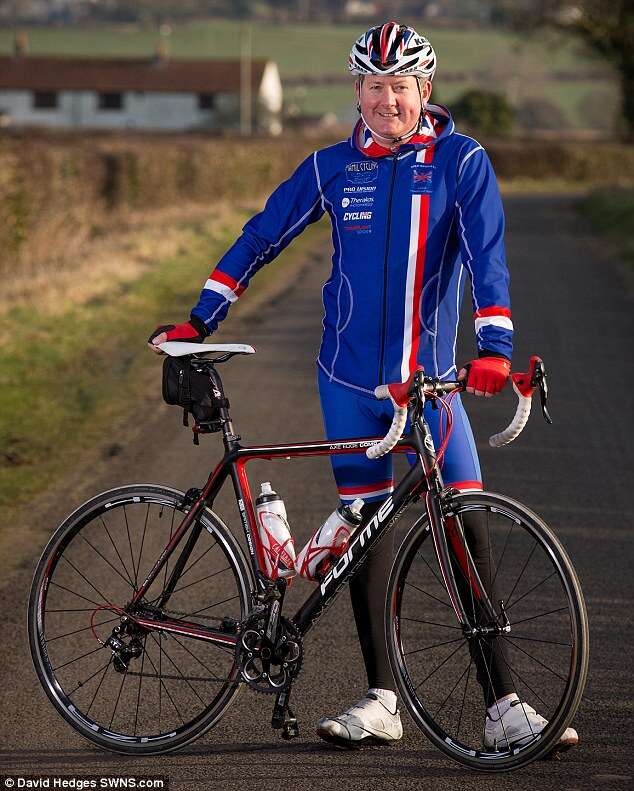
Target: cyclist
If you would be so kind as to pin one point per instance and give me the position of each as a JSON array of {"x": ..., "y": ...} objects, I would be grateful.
[{"x": 415, "y": 209}]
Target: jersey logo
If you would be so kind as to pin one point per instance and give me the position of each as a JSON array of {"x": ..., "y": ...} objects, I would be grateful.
[
  {"x": 422, "y": 178},
  {"x": 362, "y": 172}
]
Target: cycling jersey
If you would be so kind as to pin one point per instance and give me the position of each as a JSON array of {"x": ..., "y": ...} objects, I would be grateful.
[{"x": 407, "y": 228}]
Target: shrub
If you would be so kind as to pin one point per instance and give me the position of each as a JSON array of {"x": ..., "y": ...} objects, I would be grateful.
[{"x": 485, "y": 112}]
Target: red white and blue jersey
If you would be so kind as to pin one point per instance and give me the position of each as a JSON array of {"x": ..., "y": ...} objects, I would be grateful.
[{"x": 409, "y": 228}]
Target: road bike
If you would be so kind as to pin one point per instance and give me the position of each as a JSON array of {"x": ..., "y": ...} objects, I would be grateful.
[{"x": 146, "y": 617}]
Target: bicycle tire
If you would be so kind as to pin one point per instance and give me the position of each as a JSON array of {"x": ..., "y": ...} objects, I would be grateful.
[
  {"x": 414, "y": 562},
  {"x": 69, "y": 542}
]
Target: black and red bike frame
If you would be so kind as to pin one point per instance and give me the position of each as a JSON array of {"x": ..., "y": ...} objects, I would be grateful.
[{"x": 422, "y": 481}]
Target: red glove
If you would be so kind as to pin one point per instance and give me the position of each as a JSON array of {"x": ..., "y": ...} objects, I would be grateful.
[
  {"x": 193, "y": 330},
  {"x": 486, "y": 376}
]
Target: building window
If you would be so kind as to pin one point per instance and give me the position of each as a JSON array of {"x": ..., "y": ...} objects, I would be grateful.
[
  {"x": 110, "y": 101},
  {"x": 44, "y": 100},
  {"x": 206, "y": 101}
]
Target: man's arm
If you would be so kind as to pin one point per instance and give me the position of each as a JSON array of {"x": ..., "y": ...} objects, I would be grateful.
[
  {"x": 295, "y": 204},
  {"x": 480, "y": 222}
]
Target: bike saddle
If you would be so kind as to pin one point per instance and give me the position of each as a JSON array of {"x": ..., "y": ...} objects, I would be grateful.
[{"x": 182, "y": 348}]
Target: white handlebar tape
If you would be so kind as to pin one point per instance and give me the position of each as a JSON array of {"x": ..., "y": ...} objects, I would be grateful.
[
  {"x": 393, "y": 435},
  {"x": 517, "y": 424}
]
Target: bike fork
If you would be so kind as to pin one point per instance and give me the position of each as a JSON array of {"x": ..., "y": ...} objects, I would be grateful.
[{"x": 450, "y": 543}]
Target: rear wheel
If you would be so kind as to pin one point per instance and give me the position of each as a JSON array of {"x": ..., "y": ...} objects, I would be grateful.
[
  {"x": 170, "y": 688},
  {"x": 545, "y": 652}
]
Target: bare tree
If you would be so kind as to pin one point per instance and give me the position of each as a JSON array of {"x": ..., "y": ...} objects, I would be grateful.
[{"x": 606, "y": 25}]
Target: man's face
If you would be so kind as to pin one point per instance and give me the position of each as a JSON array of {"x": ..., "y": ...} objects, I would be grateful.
[{"x": 391, "y": 105}]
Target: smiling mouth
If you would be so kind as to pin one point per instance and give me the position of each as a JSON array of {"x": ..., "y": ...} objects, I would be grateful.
[{"x": 388, "y": 115}]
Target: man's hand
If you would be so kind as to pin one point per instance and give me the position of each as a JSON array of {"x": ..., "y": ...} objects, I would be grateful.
[
  {"x": 486, "y": 376},
  {"x": 193, "y": 331}
]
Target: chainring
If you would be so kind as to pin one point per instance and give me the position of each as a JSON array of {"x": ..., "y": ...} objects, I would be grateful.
[{"x": 268, "y": 666}]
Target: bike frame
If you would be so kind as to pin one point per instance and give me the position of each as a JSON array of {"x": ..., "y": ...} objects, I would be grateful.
[{"x": 423, "y": 479}]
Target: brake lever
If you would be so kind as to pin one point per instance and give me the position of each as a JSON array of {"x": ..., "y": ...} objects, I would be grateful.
[{"x": 539, "y": 380}]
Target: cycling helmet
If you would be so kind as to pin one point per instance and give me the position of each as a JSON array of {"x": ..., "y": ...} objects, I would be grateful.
[{"x": 392, "y": 48}]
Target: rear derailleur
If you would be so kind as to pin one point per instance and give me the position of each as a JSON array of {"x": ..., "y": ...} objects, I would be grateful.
[{"x": 126, "y": 644}]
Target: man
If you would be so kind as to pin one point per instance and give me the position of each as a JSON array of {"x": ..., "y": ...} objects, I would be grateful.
[{"x": 415, "y": 210}]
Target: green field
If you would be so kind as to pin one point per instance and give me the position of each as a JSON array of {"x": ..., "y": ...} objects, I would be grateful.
[{"x": 520, "y": 65}]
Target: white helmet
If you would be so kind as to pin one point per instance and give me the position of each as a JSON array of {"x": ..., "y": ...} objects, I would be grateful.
[{"x": 392, "y": 49}]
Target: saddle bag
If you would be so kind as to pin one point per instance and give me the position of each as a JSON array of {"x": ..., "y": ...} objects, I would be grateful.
[{"x": 192, "y": 390}]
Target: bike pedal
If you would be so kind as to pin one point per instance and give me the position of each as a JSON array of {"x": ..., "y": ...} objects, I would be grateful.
[{"x": 290, "y": 729}]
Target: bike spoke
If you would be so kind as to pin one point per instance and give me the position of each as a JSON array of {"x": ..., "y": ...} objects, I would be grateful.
[
  {"x": 179, "y": 671},
  {"x": 487, "y": 667},
  {"x": 541, "y": 615},
  {"x": 94, "y": 697},
  {"x": 85, "y": 598},
  {"x": 524, "y": 567},
  {"x": 506, "y": 541},
  {"x": 464, "y": 695},
  {"x": 539, "y": 640},
  {"x": 438, "y": 580},
  {"x": 534, "y": 658},
  {"x": 138, "y": 697},
  {"x": 127, "y": 527},
  {"x": 83, "y": 629},
  {"x": 147, "y": 515},
  {"x": 114, "y": 546},
  {"x": 437, "y": 668},
  {"x": 217, "y": 604},
  {"x": 515, "y": 672},
  {"x": 167, "y": 561},
  {"x": 114, "y": 711},
  {"x": 90, "y": 677},
  {"x": 430, "y": 623},
  {"x": 429, "y": 647},
  {"x": 202, "y": 579},
  {"x": 200, "y": 662},
  {"x": 442, "y": 705},
  {"x": 83, "y": 576},
  {"x": 530, "y": 590},
  {"x": 163, "y": 685},
  {"x": 425, "y": 593},
  {"x": 116, "y": 570},
  {"x": 191, "y": 565},
  {"x": 76, "y": 609},
  {"x": 77, "y": 658}
]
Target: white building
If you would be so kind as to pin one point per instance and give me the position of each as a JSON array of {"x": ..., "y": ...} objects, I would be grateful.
[{"x": 135, "y": 93}]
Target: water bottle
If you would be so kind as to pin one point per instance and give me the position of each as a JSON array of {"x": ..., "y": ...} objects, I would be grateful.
[
  {"x": 330, "y": 542},
  {"x": 275, "y": 535}
]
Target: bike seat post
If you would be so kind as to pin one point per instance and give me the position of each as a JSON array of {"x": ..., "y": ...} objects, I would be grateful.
[{"x": 229, "y": 436}]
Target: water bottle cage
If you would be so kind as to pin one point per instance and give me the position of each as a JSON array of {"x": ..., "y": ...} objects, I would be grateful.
[{"x": 331, "y": 552}]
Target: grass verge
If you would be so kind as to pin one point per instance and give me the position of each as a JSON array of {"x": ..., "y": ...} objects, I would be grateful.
[
  {"x": 67, "y": 377},
  {"x": 611, "y": 212}
]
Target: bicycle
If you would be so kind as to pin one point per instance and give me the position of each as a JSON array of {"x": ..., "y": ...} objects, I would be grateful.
[{"x": 194, "y": 621}]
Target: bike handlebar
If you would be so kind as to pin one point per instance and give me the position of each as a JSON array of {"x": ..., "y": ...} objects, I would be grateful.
[{"x": 402, "y": 394}]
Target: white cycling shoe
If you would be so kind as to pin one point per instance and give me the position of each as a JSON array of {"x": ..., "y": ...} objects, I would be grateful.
[
  {"x": 373, "y": 720},
  {"x": 518, "y": 724}
]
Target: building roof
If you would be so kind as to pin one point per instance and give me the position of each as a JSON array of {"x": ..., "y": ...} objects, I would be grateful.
[{"x": 119, "y": 75}]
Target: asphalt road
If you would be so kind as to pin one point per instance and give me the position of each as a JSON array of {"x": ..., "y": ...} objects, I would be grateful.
[{"x": 572, "y": 306}]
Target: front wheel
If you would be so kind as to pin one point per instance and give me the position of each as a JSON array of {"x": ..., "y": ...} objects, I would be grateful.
[
  {"x": 160, "y": 690},
  {"x": 444, "y": 677}
]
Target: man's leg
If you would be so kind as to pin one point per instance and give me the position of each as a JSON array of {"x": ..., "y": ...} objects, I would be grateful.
[
  {"x": 461, "y": 468},
  {"x": 375, "y": 717}
]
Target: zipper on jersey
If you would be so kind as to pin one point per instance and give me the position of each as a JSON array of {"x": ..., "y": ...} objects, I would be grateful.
[{"x": 387, "y": 252}]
